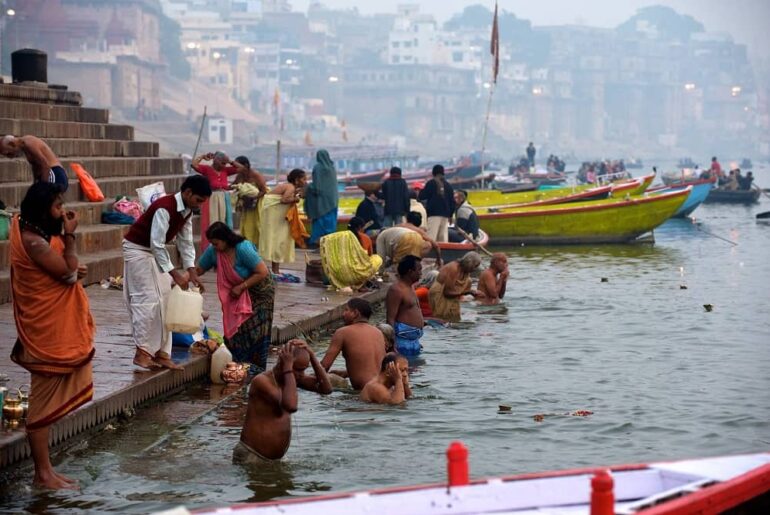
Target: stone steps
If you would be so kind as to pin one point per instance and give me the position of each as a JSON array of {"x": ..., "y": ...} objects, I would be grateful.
[
  {"x": 69, "y": 147},
  {"x": 90, "y": 239},
  {"x": 18, "y": 170},
  {"x": 52, "y": 112},
  {"x": 12, "y": 193},
  {"x": 36, "y": 92},
  {"x": 81, "y": 130}
]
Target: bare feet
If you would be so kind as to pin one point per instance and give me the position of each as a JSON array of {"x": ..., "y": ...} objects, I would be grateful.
[
  {"x": 164, "y": 360},
  {"x": 66, "y": 479},
  {"x": 52, "y": 481},
  {"x": 144, "y": 360}
]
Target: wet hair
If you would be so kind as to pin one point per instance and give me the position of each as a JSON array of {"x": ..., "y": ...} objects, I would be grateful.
[
  {"x": 407, "y": 264},
  {"x": 470, "y": 261},
  {"x": 36, "y": 206},
  {"x": 220, "y": 231},
  {"x": 298, "y": 352},
  {"x": 362, "y": 306},
  {"x": 356, "y": 224},
  {"x": 295, "y": 175},
  {"x": 438, "y": 170},
  {"x": 198, "y": 184},
  {"x": 243, "y": 160},
  {"x": 395, "y": 171},
  {"x": 391, "y": 357},
  {"x": 414, "y": 218}
]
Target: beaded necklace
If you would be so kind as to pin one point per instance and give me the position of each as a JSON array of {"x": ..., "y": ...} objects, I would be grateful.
[{"x": 34, "y": 228}]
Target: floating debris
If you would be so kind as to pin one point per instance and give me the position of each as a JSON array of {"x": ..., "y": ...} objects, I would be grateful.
[
  {"x": 577, "y": 413},
  {"x": 682, "y": 286},
  {"x": 504, "y": 407},
  {"x": 708, "y": 307},
  {"x": 605, "y": 280}
]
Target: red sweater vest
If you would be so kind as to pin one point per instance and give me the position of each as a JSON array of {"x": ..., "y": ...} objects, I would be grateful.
[{"x": 139, "y": 233}]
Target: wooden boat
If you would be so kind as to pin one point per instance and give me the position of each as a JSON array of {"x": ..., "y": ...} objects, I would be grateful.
[
  {"x": 763, "y": 218},
  {"x": 725, "y": 196},
  {"x": 700, "y": 190},
  {"x": 454, "y": 251},
  {"x": 599, "y": 221},
  {"x": 630, "y": 187},
  {"x": 739, "y": 484}
]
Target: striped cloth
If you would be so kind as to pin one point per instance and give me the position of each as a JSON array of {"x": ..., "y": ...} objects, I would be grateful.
[{"x": 345, "y": 262}]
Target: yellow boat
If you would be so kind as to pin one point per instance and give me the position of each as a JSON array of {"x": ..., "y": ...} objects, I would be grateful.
[
  {"x": 482, "y": 198},
  {"x": 599, "y": 221}
]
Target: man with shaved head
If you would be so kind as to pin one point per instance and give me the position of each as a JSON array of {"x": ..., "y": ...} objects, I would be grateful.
[
  {"x": 46, "y": 167},
  {"x": 493, "y": 280}
]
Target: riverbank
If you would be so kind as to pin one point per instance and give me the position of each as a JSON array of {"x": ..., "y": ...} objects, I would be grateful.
[{"x": 119, "y": 386}]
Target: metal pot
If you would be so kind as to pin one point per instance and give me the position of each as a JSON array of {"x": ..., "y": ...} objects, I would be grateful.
[
  {"x": 233, "y": 373},
  {"x": 13, "y": 411}
]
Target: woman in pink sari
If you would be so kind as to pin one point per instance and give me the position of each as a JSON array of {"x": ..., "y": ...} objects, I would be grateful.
[{"x": 246, "y": 291}]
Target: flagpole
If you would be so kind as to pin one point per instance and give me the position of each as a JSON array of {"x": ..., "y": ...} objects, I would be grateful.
[
  {"x": 484, "y": 132},
  {"x": 495, "y": 51}
]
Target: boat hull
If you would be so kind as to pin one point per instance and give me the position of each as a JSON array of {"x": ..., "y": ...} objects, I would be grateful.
[
  {"x": 719, "y": 195},
  {"x": 600, "y": 221},
  {"x": 700, "y": 190}
]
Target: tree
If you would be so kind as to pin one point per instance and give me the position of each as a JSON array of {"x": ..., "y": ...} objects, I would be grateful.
[{"x": 171, "y": 48}]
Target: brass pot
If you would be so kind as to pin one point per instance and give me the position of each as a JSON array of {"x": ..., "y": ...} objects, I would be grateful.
[
  {"x": 24, "y": 398},
  {"x": 233, "y": 373},
  {"x": 12, "y": 411}
]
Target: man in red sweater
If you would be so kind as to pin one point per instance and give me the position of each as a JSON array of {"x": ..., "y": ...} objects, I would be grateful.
[{"x": 148, "y": 272}]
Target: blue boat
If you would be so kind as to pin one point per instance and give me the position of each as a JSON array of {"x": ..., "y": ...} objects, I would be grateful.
[{"x": 700, "y": 190}]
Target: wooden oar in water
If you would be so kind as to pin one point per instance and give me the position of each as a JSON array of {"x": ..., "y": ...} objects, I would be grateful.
[
  {"x": 764, "y": 217},
  {"x": 475, "y": 243}
]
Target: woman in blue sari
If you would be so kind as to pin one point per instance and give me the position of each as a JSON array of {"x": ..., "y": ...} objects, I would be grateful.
[{"x": 321, "y": 198}]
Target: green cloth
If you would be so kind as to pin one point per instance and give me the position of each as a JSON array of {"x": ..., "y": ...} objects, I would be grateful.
[{"x": 321, "y": 195}]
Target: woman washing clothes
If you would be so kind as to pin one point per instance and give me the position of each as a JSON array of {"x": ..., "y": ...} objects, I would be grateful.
[{"x": 246, "y": 291}]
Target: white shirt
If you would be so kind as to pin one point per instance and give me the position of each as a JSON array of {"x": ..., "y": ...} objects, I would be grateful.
[{"x": 184, "y": 240}]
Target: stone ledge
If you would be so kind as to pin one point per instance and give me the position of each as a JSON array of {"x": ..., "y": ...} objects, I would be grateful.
[{"x": 41, "y": 93}]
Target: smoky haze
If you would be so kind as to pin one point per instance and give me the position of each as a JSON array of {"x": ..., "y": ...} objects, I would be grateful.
[{"x": 586, "y": 80}]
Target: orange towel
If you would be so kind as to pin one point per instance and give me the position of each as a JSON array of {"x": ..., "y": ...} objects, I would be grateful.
[{"x": 298, "y": 232}]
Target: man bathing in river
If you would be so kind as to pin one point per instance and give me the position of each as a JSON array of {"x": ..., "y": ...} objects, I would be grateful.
[
  {"x": 362, "y": 345},
  {"x": 403, "y": 309},
  {"x": 391, "y": 386},
  {"x": 266, "y": 432},
  {"x": 493, "y": 280}
]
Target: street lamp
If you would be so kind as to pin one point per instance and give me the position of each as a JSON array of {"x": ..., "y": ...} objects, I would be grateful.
[
  {"x": 537, "y": 91},
  {"x": 689, "y": 86},
  {"x": 735, "y": 91},
  {"x": 334, "y": 78}
]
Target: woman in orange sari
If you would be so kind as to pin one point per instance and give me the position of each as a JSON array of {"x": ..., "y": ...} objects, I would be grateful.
[{"x": 53, "y": 319}]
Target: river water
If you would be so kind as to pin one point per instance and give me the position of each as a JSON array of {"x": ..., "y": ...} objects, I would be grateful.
[{"x": 664, "y": 378}]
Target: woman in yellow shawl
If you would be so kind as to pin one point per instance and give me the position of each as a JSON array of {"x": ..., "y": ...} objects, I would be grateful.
[
  {"x": 345, "y": 258},
  {"x": 250, "y": 187},
  {"x": 276, "y": 243}
]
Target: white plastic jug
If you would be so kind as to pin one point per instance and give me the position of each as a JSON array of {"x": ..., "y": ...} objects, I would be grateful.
[
  {"x": 219, "y": 360},
  {"x": 183, "y": 310}
]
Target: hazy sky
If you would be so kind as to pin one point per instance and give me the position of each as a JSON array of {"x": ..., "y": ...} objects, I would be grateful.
[{"x": 746, "y": 20}]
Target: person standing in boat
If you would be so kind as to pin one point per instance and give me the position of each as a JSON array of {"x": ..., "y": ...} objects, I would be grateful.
[
  {"x": 440, "y": 204},
  {"x": 322, "y": 198},
  {"x": 716, "y": 170},
  {"x": 395, "y": 193},
  {"x": 531, "y": 154}
]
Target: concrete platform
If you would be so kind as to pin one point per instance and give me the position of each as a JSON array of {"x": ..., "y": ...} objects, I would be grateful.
[{"x": 119, "y": 387}]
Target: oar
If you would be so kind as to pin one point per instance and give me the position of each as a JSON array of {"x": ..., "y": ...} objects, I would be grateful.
[
  {"x": 762, "y": 191},
  {"x": 470, "y": 239}
]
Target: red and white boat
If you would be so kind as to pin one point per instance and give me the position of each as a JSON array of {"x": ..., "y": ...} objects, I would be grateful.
[{"x": 703, "y": 486}]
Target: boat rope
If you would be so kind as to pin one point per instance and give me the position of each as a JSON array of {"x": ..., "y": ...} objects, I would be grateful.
[{"x": 697, "y": 226}]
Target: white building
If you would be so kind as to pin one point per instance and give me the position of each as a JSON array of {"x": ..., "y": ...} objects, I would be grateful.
[{"x": 414, "y": 37}]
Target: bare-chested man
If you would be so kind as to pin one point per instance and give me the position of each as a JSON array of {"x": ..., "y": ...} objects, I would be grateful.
[
  {"x": 319, "y": 382},
  {"x": 493, "y": 280},
  {"x": 362, "y": 345},
  {"x": 391, "y": 386},
  {"x": 46, "y": 167},
  {"x": 403, "y": 309},
  {"x": 266, "y": 432}
]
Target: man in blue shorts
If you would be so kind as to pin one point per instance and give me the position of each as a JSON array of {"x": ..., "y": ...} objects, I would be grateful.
[
  {"x": 46, "y": 167},
  {"x": 403, "y": 309}
]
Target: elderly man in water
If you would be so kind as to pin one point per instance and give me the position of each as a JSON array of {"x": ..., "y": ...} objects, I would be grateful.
[
  {"x": 361, "y": 344},
  {"x": 266, "y": 432},
  {"x": 493, "y": 280},
  {"x": 391, "y": 386},
  {"x": 453, "y": 281}
]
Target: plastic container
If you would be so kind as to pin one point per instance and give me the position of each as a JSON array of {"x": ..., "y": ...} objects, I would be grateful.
[
  {"x": 219, "y": 361},
  {"x": 183, "y": 311}
]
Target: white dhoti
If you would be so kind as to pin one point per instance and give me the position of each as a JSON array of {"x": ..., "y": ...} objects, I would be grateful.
[
  {"x": 438, "y": 228},
  {"x": 146, "y": 289}
]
